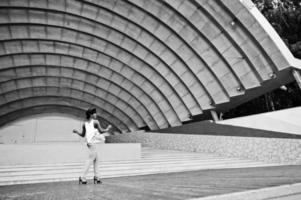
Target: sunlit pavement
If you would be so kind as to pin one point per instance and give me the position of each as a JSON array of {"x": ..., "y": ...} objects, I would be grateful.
[{"x": 183, "y": 185}]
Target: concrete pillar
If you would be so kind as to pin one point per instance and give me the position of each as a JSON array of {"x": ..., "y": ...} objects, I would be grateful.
[
  {"x": 297, "y": 77},
  {"x": 214, "y": 115}
]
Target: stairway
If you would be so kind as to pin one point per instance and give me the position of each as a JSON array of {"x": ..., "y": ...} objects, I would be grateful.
[{"x": 152, "y": 161}]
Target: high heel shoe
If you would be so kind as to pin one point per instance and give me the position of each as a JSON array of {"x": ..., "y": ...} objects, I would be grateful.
[
  {"x": 82, "y": 181},
  {"x": 97, "y": 180}
]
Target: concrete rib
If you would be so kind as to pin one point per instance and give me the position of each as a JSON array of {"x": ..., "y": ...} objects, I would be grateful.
[
  {"x": 30, "y": 93},
  {"x": 94, "y": 77},
  {"x": 42, "y": 40},
  {"x": 222, "y": 72},
  {"x": 189, "y": 66},
  {"x": 167, "y": 101},
  {"x": 89, "y": 72},
  {"x": 42, "y": 83},
  {"x": 97, "y": 99},
  {"x": 248, "y": 48},
  {"x": 48, "y": 109},
  {"x": 81, "y": 58},
  {"x": 19, "y": 106}
]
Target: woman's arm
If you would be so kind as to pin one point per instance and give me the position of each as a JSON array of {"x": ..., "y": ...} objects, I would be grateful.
[
  {"x": 83, "y": 133},
  {"x": 99, "y": 128}
]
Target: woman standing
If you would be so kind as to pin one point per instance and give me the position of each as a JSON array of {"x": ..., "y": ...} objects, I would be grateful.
[{"x": 93, "y": 133}]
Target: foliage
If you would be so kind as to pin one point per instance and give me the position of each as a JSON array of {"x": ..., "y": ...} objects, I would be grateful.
[{"x": 285, "y": 17}]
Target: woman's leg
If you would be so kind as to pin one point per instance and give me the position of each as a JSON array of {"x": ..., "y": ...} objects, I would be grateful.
[
  {"x": 95, "y": 162},
  {"x": 92, "y": 155},
  {"x": 96, "y": 174}
]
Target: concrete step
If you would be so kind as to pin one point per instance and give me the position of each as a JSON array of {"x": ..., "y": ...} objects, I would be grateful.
[
  {"x": 121, "y": 167},
  {"x": 124, "y": 163},
  {"x": 151, "y": 162}
]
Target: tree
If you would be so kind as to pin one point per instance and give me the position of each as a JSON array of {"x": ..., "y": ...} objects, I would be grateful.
[{"x": 285, "y": 17}]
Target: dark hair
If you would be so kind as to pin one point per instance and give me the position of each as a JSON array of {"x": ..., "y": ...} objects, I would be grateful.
[{"x": 90, "y": 112}]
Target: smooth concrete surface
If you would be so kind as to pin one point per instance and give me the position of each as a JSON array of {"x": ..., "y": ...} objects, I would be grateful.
[
  {"x": 283, "y": 192},
  {"x": 169, "y": 186},
  {"x": 286, "y": 121},
  {"x": 41, "y": 128},
  {"x": 51, "y": 153}
]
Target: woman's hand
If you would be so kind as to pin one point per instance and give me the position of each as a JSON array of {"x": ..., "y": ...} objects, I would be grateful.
[
  {"x": 75, "y": 131},
  {"x": 108, "y": 127}
]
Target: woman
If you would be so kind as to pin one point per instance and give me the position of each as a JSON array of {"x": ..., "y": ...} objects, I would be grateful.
[{"x": 92, "y": 131}]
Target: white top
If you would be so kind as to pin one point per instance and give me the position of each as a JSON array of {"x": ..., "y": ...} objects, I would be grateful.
[{"x": 91, "y": 131}]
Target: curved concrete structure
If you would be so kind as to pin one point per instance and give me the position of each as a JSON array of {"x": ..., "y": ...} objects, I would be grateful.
[{"x": 142, "y": 63}]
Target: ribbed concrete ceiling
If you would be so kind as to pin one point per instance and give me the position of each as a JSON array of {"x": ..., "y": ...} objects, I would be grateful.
[{"x": 141, "y": 63}]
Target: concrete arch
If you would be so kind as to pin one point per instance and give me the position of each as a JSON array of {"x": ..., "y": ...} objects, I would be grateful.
[
  {"x": 144, "y": 101},
  {"x": 50, "y": 109},
  {"x": 187, "y": 56},
  {"x": 18, "y": 106},
  {"x": 181, "y": 111},
  {"x": 152, "y": 43},
  {"x": 121, "y": 126},
  {"x": 195, "y": 44},
  {"x": 251, "y": 47},
  {"x": 92, "y": 70},
  {"x": 98, "y": 93},
  {"x": 151, "y": 87},
  {"x": 54, "y": 90},
  {"x": 226, "y": 33},
  {"x": 59, "y": 9},
  {"x": 130, "y": 116},
  {"x": 135, "y": 75},
  {"x": 41, "y": 73},
  {"x": 87, "y": 58},
  {"x": 177, "y": 44}
]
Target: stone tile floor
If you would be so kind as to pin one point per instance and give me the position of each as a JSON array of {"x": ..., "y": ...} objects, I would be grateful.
[{"x": 170, "y": 186}]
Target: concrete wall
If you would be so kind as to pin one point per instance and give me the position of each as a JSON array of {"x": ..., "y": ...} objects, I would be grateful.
[
  {"x": 52, "y": 153},
  {"x": 271, "y": 150},
  {"x": 42, "y": 128},
  {"x": 48, "y": 139}
]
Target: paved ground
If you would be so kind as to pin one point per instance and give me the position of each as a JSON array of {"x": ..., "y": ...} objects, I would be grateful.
[{"x": 169, "y": 186}]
